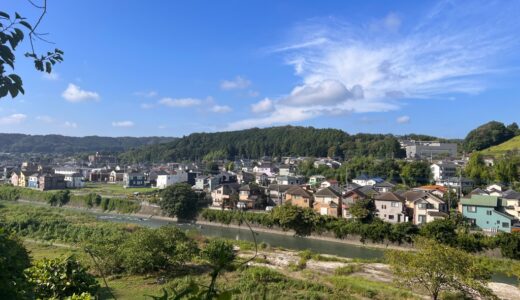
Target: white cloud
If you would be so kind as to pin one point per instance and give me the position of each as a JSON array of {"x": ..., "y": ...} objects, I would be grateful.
[
  {"x": 180, "y": 102},
  {"x": 146, "y": 105},
  {"x": 221, "y": 109},
  {"x": 124, "y": 124},
  {"x": 70, "y": 124},
  {"x": 235, "y": 84},
  {"x": 262, "y": 106},
  {"x": 45, "y": 119},
  {"x": 403, "y": 120},
  {"x": 51, "y": 76},
  {"x": 252, "y": 93},
  {"x": 74, "y": 93},
  {"x": 345, "y": 68},
  {"x": 149, "y": 94},
  {"x": 13, "y": 119}
]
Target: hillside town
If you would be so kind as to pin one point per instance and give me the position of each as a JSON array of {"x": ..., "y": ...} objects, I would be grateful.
[{"x": 261, "y": 184}]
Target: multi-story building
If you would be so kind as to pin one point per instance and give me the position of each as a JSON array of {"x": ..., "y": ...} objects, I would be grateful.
[
  {"x": 391, "y": 207},
  {"x": 443, "y": 170},
  {"x": 430, "y": 149}
]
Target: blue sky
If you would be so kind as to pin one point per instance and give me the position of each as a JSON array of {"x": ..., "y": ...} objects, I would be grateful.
[{"x": 170, "y": 68}]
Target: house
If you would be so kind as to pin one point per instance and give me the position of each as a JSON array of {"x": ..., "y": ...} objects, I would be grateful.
[
  {"x": 74, "y": 181},
  {"x": 265, "y": 167},
  {"x": 443, "y": 170},
  {"x": 101, "y": 175},
  {"x": 286, "y": 170},
  {"x": 51, "y": 182},
  {"x": 512, "y": 202},
  {"x": 290, "y": 180},
  {"x": 425, "y": 207},
  {"x": 349, "y": 198},
  {"x": 245, "y": 177},
  {"x": 23, "y": 179},
  {"x": 487, "y": 213},
  {"x": 391, "y": 207},
  {"x": 298, "y": 196},
  {"x": 134, "y": 179},
  {"x": 15, "y": 178},
  {"x": 221, "y": 194},
  {"x": 262, "y": 179},
  {"x": 496, "y": 187},
  {"x": 165, "y": 179},
  {"x": 437, "y": 190},
  {"x": 456, "y": 182},
  {"x": 365, "y": 180},
  {"x": 327, "y": 201},
  {"x": 116, "y": 176},
  {"x": 276, "y": 193},
  {"x": 250, "y": 196},
  {"x": 329, "y": 183},
  {"x": 316, "y": 180},
  {"x": 34, "y": 181},
  {"x": 383, "y": 187}
]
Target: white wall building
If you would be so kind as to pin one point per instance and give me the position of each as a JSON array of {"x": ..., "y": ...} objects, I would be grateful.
[{"x": 165, "y": 180}]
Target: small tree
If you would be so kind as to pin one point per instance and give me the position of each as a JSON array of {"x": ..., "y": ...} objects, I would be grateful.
[
  {"x": 363, "y": 210},
  {"x": 60, "y": 278},
  {"x": 180, "y": 201},
  {"x": 438, "y": 268},
  {"x": 14, "y": 259},
  {"x": 302, "y": 220}
]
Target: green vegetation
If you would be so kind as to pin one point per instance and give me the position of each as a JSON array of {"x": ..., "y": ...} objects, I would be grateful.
[
  {"x": 58, "y": 144},
  {"x": 490, "y": 134},
  {"x": 504, "y": 170},
  {"x": 14, "y": 259},
  {"x": 60, "y": 198},
  {"x": 61, "y": 277},
  {"x": 437, "y": 268},
  {"x": 274, "y": 141},
  {"x": 179, "y": 200},
  {"x": 115, "y": 190},
  {"x": 511, "y": 145}
]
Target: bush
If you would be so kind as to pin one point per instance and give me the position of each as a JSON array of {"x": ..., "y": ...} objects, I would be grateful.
[
  {"x": 14, "y": 259},
  {"x": 61, "y": 277},
  {"x": 347, "y": 270}
]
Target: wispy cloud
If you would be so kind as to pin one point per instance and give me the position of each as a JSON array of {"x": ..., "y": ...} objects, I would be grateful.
[
  {"x": 124, "y": 124},
  {"x": 13, "y": 119},
  {"x": 75, "y": 94},
  {"x": 235, "y": 84},
  {"x": 221, "y": 109},
  {"x": 373, "y": 67},
  {"x": 403, "y": 120},
  {"x": 262, "y": 106},
  {"x": 146, "y": 105},
  {"x": 149, "y": 94},
  {"x": 69, "y": 124},
  {"x": 180, "y": 102},
  {"x": 45, "y": 119}
]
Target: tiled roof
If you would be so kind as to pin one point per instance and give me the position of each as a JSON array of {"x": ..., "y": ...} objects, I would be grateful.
[
  {"x": 328, "y": 192},
  {"x": 389, "y": 196},
  {"x": 298, "y": 191},
  {"x": 480, "y": 200}
]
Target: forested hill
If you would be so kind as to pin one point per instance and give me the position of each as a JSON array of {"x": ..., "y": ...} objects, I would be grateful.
[
  {"x": 58, "y": 144},
  {"x": 274, "y": 141}
]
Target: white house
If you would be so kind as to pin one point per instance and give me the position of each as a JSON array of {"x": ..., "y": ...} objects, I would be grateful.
[
  {"x": 165, "y": 179},
  {"x": 443, "y": 170},
  {"x": 364, "y": 180}
]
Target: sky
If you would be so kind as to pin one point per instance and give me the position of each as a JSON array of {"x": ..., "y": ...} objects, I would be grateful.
[{"x": 170, "y": 68}]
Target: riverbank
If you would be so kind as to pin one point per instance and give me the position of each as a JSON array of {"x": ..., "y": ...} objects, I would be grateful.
[{"x": 353, "y": 241}]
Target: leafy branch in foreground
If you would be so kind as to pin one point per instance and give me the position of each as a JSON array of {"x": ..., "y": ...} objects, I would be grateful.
[
  {"x": 11, "y": 35},
  {"x": 437, "y": 268}
]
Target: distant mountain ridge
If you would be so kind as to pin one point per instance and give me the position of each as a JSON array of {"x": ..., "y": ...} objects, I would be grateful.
[
  {"x": 272, "y": 141},
  {"x": 59, "y": 144}
]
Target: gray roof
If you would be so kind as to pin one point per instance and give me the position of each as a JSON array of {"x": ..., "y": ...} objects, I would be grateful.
[{"x": 328, "y": 192}]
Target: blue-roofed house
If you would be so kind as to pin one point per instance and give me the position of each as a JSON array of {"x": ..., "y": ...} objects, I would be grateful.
[{"x": 486, "y": 212}]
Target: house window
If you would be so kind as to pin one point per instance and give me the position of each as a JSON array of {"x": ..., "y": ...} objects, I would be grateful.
[
  {"x": 395, "y": 204},
  {"x": 390, "y": 217},
  {"x": 472, "y": 209},
  {"x": 489, "y": 212},
  {"x": 505, "y": 224},
  {"x": 383, "y": 206},
  {"x": 423, "y": 205}
]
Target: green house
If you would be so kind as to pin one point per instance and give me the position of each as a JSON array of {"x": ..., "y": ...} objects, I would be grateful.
[{"x": 487, "y": 213}]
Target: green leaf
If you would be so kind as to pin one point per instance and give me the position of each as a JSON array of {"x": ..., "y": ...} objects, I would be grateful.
[
  {"x": 16, "y": 79},
  {"x": 13, "y": 90},
  {"x": 4, "y": 15},
  {"x": 17, "y": 16},
  {"x": 27, "y": 25},
  {"x": 227, "y": 295}
]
